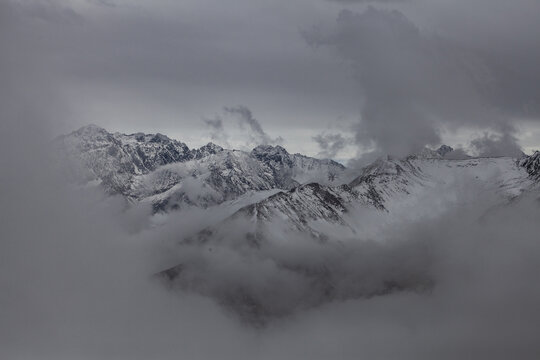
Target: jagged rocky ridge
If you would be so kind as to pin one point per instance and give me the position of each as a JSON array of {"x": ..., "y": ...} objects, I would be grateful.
[
  {"x": 392, "y": 187},
  {"x": 312, "y": 199},
  {"x": 335, "y": 217},
  {"x": 166, "y": 173},
  {"x": 532, "y": 164}
]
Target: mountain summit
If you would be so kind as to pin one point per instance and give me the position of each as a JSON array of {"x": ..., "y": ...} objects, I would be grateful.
[
  {"x": 165, "y": 172},
  {"x": 269, "y": 200}
]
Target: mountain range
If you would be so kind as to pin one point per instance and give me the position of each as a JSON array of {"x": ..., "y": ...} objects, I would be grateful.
[
  {"x": 155, "y": 169},
  {"x": 272, "y": 197}
]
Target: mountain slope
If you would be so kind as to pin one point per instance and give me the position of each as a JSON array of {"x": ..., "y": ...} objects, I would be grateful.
[
  {"x": 387, "y": 191},
  {"x": 296, "y": 222},
  {"x": 532, "y": 164},
  {"x": 166, "y": 173}
]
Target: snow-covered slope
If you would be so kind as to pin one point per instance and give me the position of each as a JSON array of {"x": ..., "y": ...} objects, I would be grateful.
[
  {"x": 115, "y": 159},
  {"x": 288, "y": 216},
  {"x": 390, "y": 182},
  {"x": 308, "y": 233},
  {"x": 166, "y": 173},
  {"x": 314, "y": 193},
  {"x": 386, "y": 192},
  {"x": 532, "y": 164}
]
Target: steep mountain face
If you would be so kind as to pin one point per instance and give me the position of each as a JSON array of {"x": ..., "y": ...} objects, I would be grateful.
[
  {"x": 115, "y": 159},
  {"x": 336, "y": 221},
  {"x": 209, "y": 180},
  {"x": 206, "y": 150},
  {"x": 390, "y": 183},
  {"x": 315, "y": 193},
  {"x": 444, "y": 149},
  {"x": 302, "y": 168},
  {"x": 297, "y": 210},
  {"x": 416, "y": 187},
  {"x": 532, "y": 164},
  {"x": 166, "y": 173},
  {"x": 386, "y": 178},
  {"x": 297, "y": 222}
]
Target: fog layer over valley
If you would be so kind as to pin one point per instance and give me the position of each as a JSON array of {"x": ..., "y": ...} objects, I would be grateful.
[
  {"x": 268, "y": 180},
  {"x": 451, "y": 275}
]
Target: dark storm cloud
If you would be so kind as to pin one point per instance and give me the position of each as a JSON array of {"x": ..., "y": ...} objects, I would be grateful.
[
  {"x": 503, "y": 34},
  {"x": 414, "y": 84},
  {"x": 132, "y": 62},
  {"x": 121, "y": 65},
  {"x": 492, "y": 145},
  {"x": 74, "y": 282}
]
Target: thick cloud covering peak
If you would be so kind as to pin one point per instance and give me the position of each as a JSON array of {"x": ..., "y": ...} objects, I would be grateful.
[{"x": 415, "y": 84}]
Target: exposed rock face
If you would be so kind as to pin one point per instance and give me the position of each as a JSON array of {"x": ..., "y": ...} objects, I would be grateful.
[
  {"x": 532, "y": 164},
  {"x": 206, "y": 150},
  {"x": 444, "y": 149},
  {"x": 298, "y": 198},
  {"x": 397, "y": 188},
  {"x": 165, "y": 172}
]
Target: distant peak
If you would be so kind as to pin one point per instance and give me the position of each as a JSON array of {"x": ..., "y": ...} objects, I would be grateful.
[
  {"x": 159, "y": 138},
  {"x": 531, "y": 163},
  {"x": 91, "y": 128},
  {"x": 213, "y": 146},
  {"x": 428, "y": 153},
  {"x": 269, "y": 149},
  {"x": 271, "y": 153},
  {"x": 444, "y": 149},
  {"x": 210, "y": 148}
]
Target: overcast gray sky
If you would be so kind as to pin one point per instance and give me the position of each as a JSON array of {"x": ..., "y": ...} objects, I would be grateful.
[
  {"x": 336, "y": 78},
  {"x": 311, "y": 72}
]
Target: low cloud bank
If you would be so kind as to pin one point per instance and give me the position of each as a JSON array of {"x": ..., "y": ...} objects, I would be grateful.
[{"x": 77, "y": 281}]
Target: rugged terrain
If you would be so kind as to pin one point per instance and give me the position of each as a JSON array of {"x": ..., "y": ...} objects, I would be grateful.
[
  {"x": 165, "y": 172},
  {"x": 272, "y": 201}
]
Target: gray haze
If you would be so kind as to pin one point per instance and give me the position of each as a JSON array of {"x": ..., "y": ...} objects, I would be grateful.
[
  {"x": 330, "y": 144},
  {"x": 256, "y": 134},
  {"x": 415, "y": 84},
  {"x": 75, "y": 266},
  {"x": 399, "y": 75},
  {"x": 76, "y": 283}
]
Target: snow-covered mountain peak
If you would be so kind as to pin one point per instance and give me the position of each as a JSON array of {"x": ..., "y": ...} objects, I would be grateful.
[
  {"x": 160, "y": 138},
  {"x": 269, "y": 153},
  {"x": 532, "y": 164},
  {"x": 444, "y": 149},
  {"x": 91, "y": 133},
  {"x": 428, "y": 153},
  {"x": 269, "y": 149},
  {"x": 206, "y": 150},
  {"x": 165, "y": 172},
  {"x": 90, "y": 128}
]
